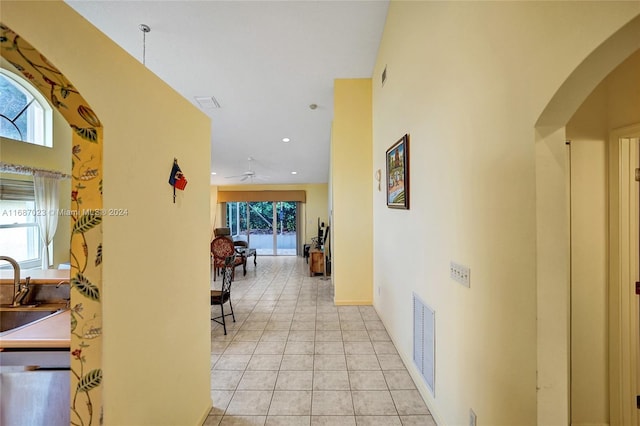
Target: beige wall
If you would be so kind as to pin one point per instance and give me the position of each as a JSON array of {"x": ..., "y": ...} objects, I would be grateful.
[
  {"x": 613, "y": 104},
  {"x": 351, "y": 186},
  {"x": 56, "y": 158},
  {"x": 468, "y": 81},
  {"x": 589, "y": 349},
  {"x": 156, "y": 313},
  {"x": 314, "y": 208},
  {"x": 552, "y": 276},
  {"x": 214, "y": 210}
]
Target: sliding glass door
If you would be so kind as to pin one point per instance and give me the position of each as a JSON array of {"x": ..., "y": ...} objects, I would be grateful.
[{"x": 268, "y": 226}]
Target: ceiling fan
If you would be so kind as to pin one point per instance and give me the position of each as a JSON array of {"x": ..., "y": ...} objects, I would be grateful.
[{"x": 248, "y": 174}]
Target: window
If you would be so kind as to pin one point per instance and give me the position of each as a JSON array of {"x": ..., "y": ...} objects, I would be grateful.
[
  {"x": 25, "y": 115},
  {"x": 19, "y": 234}
]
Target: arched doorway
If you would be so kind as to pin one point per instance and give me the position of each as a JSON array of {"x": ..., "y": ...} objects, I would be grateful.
[
  {"x": 554, "y": 253},
  {"x": 86, "y": 219}
]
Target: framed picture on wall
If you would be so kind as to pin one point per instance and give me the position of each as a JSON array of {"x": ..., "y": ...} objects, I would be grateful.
[{"x": 398, "y": 174}]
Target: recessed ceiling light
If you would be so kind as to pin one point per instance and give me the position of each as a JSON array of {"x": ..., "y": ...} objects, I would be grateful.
[
  {"x": 286, "y": 140},
  {"x": 294, "y": 173},
  {"x": 213, "y": 173}
]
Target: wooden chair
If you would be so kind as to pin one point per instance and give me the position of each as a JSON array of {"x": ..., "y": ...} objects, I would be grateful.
[
  {"x": 222, "y": 296},
  {"x": 219, "y": 232},
  {"x": 222, "y": 248}
]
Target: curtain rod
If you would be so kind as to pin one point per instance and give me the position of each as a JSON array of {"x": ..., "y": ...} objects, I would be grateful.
[{"x": 25, "y": 170}]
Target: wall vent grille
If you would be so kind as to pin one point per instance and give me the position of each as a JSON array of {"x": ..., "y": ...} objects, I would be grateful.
[
  {"x": 208, "y": 102},
  {"x": 424, "y": 342}
]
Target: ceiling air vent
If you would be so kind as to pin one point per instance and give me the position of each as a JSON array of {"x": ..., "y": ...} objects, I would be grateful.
[
  {"x": 384, "y": 75},
  {"x": 207, "y": 102}
]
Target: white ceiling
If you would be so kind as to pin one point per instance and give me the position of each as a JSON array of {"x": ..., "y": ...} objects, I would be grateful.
[{"x": 264, "y": 61}]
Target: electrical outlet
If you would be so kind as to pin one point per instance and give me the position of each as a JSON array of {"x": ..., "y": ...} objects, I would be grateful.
[
  {"x": 472, "y": 418},
  {"x": 460, "y": 273}
]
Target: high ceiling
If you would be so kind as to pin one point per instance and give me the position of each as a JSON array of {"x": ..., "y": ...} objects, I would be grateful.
[{"x": 265, "y": 62}]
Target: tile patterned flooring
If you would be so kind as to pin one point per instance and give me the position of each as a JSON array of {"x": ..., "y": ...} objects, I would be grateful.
[{"x": 293, "y": 358}]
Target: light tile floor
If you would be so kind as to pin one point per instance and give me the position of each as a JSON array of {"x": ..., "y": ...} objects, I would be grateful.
[{"x": 293, "y": 358}]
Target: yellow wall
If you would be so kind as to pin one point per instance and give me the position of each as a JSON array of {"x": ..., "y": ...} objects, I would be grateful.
[
  {"x": 156, "y": 258},
  {"x": 56, "y": 158},
  {"x": 613, "y": 104},
  {"x": 589, "y": 332},
  {"x": 351, "y": 192},
  {"x": 468, "y": 81},
  {"x": 214, "y": 210},
  {"x": 314, "y": 208}
]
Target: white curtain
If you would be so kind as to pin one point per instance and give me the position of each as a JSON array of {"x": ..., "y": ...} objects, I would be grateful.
[{"x": 47, "y": 201}]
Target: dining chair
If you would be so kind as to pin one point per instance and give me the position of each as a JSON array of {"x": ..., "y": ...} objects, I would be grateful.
[
  {"x": 222, "y": 296},
  {"x": 221, "y": 248},
  {"x": 218, "y": 232}
]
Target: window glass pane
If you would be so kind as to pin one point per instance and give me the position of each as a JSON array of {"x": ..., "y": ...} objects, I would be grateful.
[
  {"x": 13, "y": 98},
  {"x": 22, "y": 123},
  {"x": 22, "y": 116},
  {"x": 9, "y": 130},
  {"x": 34, "y": 124},
  {"x": 13, "y": 212},
  {"x": 286, "y": 227},
  {"x": 19, "y": 234},
  {"x": 237, "y": 219},
  {"x": 20, "y": 243},
  {"x": 261, "y": 227}
]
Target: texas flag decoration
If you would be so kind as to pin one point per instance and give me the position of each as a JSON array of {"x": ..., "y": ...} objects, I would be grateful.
[{"x": 176, "y": 178}]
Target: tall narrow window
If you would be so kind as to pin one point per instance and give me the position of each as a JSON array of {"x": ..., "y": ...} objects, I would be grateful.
[{"x": 25, "y": 115}]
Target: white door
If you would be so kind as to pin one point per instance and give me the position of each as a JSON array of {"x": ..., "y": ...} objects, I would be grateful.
[{"x": 624, "y": 265}]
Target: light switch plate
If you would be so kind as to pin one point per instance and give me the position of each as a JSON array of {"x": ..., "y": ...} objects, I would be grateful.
[{"x": 460, "y": 273}]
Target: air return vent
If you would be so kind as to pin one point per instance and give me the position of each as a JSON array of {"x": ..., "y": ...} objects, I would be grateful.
[
  {"x": 424, "y": 341},
  {"x": 208, "y": 102}
]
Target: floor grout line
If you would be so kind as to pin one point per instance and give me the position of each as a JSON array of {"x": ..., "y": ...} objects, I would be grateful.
[{"x": 283, "y": 288}]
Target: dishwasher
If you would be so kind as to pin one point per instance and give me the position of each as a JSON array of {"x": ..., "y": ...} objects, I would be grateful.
[{"x": 38, "y": 397}]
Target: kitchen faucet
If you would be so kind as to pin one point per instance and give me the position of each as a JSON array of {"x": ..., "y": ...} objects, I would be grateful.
[{"x": 19, "y": 290}]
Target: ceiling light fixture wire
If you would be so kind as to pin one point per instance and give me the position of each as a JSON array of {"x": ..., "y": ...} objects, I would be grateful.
[{"x": 145, "y": 29}]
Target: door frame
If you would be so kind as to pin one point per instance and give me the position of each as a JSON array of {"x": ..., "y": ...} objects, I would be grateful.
[{"x": 623, "y": 255}]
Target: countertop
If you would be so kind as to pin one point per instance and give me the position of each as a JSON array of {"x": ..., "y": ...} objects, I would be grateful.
[
  {"x": 51, "y": 332},
  {"x": 38, "y": 276}
]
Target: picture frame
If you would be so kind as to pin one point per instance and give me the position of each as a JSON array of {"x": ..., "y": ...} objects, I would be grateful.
[{"x": 397, "y": 159}]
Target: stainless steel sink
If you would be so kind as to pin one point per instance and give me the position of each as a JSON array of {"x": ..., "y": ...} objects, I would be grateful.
[{"x": 11, "y": 318}]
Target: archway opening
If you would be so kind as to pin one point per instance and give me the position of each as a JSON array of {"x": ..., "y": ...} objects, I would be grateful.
[
  {"x": 86, "y": 218},
  {"x": 554, "y": 248}
]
